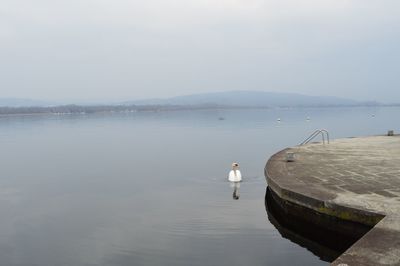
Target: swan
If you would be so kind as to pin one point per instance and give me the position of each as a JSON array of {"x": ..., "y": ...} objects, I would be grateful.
[{"x": 234, "y": 174}]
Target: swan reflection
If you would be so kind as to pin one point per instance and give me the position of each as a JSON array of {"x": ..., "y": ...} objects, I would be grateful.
[{"x": 235, "y": 186}]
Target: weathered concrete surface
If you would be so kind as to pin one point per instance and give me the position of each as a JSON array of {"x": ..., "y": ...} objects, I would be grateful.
[{"x": 356, "y": 179}]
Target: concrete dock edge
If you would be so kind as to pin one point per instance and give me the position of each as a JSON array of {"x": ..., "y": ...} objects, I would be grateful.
[{"x": 355, "y": 180}]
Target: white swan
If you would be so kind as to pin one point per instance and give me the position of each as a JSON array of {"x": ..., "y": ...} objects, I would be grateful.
[{"x": 234, "y": 174}]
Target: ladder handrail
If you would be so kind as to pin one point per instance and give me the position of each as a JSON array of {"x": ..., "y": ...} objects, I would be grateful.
[
  {"x": 323, "y": 132},
  {"x": 314, "y": 134},
  {"x": 327, "y": 134}
]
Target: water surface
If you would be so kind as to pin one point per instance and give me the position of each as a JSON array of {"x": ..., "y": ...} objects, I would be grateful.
[{"x": 151, "y": 188}]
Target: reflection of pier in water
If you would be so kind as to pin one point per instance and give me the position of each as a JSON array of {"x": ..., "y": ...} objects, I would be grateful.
[{"x": 323, "y": 235}]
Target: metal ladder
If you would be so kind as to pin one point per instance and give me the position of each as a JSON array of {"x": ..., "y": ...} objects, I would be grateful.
[{"x": 317, "y": 132}]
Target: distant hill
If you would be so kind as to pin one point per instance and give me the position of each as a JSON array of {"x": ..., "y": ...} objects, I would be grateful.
[
  {"x": 19, "y": 102},
  {"x": 251, "y": 99},
  {"x": 207, "y": 100}
]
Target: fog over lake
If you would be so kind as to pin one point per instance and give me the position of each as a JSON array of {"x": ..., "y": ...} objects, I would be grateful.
[{"x": 150, "y": 188}]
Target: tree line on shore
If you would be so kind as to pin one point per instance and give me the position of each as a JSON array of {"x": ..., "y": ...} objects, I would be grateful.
[{"x": 90, "y": 109}]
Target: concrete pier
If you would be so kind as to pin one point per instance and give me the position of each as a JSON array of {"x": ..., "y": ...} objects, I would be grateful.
[{"x": 354, "y": 179}]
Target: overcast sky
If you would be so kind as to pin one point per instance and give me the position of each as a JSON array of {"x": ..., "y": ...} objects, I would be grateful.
[{"x": 130, "y": 49}]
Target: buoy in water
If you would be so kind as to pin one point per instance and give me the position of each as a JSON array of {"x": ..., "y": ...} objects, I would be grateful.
[{"x": 235, "y": 175}]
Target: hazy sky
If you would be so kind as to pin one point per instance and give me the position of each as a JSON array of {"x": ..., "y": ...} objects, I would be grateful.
[{"x": 130, "y": 49}]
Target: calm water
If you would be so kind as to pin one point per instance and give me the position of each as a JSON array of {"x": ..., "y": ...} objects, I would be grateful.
[{"x": 151, "y": 188}]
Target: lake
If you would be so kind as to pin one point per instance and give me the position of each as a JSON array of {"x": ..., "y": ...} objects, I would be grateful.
[{"x": 150, "y": 188}]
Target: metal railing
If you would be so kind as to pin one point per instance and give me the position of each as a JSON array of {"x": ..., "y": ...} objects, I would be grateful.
[{"x": 322, "y": 132}]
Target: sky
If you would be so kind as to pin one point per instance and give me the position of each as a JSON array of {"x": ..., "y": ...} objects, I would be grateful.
[{"x": 112, "y": 50}]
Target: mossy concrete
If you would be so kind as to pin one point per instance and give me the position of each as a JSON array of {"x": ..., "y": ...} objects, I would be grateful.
[{"x": 354, "y": 179}]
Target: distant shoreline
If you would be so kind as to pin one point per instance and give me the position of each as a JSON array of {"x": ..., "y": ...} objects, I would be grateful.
[{"x": 86, "y": 109}]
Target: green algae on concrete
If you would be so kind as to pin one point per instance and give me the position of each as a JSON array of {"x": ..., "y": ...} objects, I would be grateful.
[{"x": 355, "y": 179}]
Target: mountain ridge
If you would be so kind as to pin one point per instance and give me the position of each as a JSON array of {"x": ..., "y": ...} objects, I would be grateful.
[
  {"x": 23, "y": 102},
  {"x": 212, "y": 99},
  {"x": 250, "y": 99}
]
